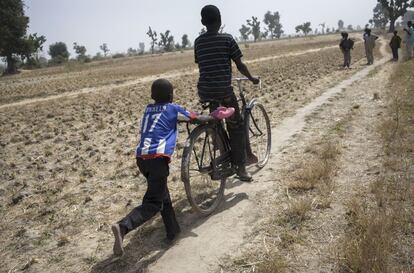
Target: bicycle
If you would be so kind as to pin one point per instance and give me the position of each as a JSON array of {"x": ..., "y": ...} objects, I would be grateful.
[{"x": 206, "y": 160}]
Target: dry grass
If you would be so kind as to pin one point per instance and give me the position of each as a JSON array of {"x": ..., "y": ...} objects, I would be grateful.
[
  {"x": 316, "y": 170},
  {"x": 381, "y": 226}
]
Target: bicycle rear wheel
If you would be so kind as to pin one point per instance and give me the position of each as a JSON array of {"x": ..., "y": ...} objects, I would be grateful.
[
  {"x": 204, "y": 189},
  {"x": 259, "y": 134}
]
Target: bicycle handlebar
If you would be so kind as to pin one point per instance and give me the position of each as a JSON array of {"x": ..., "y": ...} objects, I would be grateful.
[{"x": 241, "y": 79}]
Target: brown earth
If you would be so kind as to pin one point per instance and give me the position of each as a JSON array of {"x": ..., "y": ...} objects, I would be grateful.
[{"x": 67, "y": 167}]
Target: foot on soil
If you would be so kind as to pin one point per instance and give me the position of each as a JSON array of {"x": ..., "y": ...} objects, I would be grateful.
[
  {"x": 242, "y": 174},
  {"x": 118, "y": 248}
]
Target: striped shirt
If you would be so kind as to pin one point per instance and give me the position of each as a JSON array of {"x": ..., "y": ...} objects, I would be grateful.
[{"x": 213, "y": 53}]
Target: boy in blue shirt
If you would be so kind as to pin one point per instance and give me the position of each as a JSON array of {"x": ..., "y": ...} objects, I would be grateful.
[{"x": 153, "y": 154}]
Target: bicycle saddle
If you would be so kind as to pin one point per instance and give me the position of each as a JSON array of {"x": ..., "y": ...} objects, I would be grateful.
[{"x": 222, "y": 112}]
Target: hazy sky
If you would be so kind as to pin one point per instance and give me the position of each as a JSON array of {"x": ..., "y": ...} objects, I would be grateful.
[{"x": 123, "y": 23}]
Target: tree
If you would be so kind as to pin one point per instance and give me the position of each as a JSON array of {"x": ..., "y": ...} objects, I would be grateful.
[
  {"x": 341, "y": 25},
  {"x": 272, "y": 21},
  {"x": 132, "y": 51},
  {"x": 395, "y": 9},
  {"x": 245, "y": 32},
  {"x": 13, "y": 38},
  {"x": 80, "y": 50},
  {"x": 305, "y": 28},
  {"x": 58, "y": 52},
  {"x": 184, "y": 41},
  {"x": 380, "y": 18},
  {"x": 323, "y": 25},
  {"x": 141, "y": 48},
  {"x": 255, "y": 27},
  {"x": 104, "y": 48},
  {"x": 153, "y": 36},
  {"x": 166, "y": 41},
  {"x": 32, "y": 45},
  {"x": 350, "y": 27}
]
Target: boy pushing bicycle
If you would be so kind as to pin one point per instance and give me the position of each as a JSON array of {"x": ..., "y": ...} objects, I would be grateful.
[{"x": 214, "y": 52}]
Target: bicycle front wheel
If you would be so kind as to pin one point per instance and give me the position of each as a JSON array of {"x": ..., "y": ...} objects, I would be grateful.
[
  {"x": 259, "y": 134},
  {"x": 204, "y": 188}
]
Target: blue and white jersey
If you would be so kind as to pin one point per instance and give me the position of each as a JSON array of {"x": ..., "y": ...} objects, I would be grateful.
[{"x": 159, "y": 129}]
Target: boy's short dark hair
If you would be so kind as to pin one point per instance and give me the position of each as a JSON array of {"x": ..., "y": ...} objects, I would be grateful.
[
  {"x": 395, "y": 32},
  {"x": 344, "y": 34},
  {"x": 162, "y": 91},
  {"x": 210, "y": 15}
]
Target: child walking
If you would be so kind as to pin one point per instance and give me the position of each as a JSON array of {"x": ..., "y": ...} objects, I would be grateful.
[
  {"x": 395, "y": 44},
  {"x": 346, "y": 46},
  {"x": 153, "y": 154}
]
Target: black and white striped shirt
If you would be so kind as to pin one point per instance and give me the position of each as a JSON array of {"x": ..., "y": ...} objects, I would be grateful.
[{"x": 213, "y": 52}]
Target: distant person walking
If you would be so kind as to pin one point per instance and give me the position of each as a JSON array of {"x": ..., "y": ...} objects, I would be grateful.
[
  {"x": 409, "y": 39},
  {"x": 395, "y": 44},
  {"x": 346, "y": 46},
  {"x": 369, "y": 41}
]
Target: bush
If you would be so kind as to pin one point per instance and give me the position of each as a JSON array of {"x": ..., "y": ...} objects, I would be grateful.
[{"x": 118, "y": 55}]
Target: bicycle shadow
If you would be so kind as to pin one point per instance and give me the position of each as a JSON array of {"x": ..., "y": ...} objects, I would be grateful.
[
  {"x": 148, "y": 244},
  {"x": 233, "y": 182}
]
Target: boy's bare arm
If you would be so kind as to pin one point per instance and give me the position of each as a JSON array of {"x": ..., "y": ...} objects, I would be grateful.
[{"x": 245, "y": 71}]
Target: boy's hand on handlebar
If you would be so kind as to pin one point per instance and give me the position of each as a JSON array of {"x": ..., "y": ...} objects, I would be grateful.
[{"x": 255, "y": 80}]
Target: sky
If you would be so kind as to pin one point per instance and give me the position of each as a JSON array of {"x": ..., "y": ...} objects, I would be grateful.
[{"x": 123, "y": 23}]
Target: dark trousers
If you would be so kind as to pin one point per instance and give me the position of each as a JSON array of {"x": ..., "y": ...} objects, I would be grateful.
[
  {"x": 347, "y": 58},
  {"x": 394, "y": 53},
  {"x": 235, "y": 129},
  {"x": 156, "y": 199}
]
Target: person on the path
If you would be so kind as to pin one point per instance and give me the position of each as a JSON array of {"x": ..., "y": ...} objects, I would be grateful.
[
  {"x": 153, "y": 155},
  {"x": 214, "y": 52},
  {"x": 395, "y": 44},
  {"x": 346, "y": 46},
  {"x": 369, "y": 41},
  {"x": 409, "y": 39}
]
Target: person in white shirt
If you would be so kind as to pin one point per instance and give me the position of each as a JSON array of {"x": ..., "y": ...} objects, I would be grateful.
[{"x": 409, "y": 39}]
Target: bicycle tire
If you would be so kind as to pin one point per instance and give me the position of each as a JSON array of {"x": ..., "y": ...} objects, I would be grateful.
[
  {"x": 189, "y": 154},
  {"x": 257, "y": 109}
]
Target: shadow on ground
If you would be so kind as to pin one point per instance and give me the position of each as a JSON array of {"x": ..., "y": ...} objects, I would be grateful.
[{"x": 148, "y": 243}]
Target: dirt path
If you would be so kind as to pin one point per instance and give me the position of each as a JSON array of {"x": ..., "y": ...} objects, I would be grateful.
[
  {"x": 146, "y": 79},
  {"x": 222, "y": 233}
]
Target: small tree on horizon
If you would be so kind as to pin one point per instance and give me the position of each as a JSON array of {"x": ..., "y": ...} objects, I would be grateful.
[
  {"x": 185, "y": 41},
  {"x": 58, "y": 52},
  {"x": 305, "y": 28},
  {"x": 272, "y": 20},
  {"x": 153, "y": 36},
  {"x": 141, "y": 48},
  {"x": 104, "y": 48},
  {"x": 341, "y": 25},
  {"x": 323, "y": 26},
  {"x": 244, "y": 32},
  {"x": 166, "y": 41},
  {"x": 80, "y": 50},
  {"x": 254, "y": 23}
]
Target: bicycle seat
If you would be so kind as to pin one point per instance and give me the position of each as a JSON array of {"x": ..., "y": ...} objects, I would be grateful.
[{"x": 222, "y": 112}]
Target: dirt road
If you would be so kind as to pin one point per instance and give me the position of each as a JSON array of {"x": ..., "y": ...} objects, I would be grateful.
[{"x": 201, "y": 249}]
